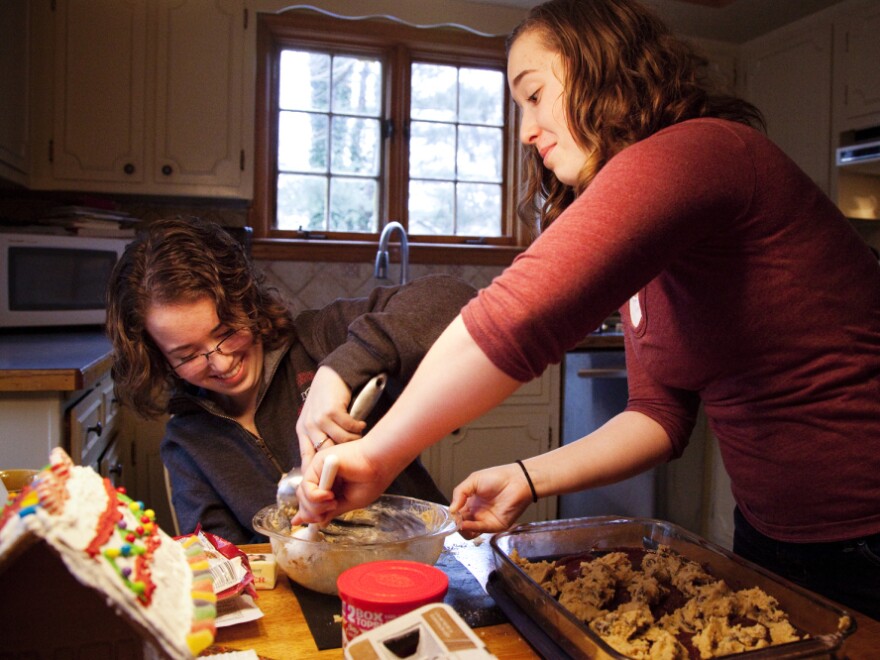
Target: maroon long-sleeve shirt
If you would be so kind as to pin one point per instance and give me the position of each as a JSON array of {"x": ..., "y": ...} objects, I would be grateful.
[{"x": 740, "y": 285}]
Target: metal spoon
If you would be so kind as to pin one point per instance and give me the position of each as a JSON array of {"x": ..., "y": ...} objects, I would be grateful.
[{"x": 363, "y": 404}]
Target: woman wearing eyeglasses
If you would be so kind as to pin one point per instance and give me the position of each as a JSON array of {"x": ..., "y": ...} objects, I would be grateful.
[{"x": 197, "y": 333}]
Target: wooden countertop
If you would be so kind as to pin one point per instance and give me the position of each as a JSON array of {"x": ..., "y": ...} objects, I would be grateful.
[
  {"x": 44, "y": 361},
  {"x": 283, "y": 634}
]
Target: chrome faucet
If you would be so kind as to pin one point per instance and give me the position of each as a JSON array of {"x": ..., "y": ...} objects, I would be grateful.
[{"x": 381, "y": 269}]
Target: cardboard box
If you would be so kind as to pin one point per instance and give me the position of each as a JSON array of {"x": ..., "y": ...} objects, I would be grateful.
[{"x": 265, "y": 570}]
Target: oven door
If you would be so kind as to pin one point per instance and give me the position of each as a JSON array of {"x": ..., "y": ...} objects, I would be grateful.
[{"x": 594, "y": 391}]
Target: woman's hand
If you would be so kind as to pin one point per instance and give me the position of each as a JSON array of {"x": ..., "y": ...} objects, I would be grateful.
[
  {"x": 324, "y": 420},
  {"x": 491, "y": 500},
  {"x": 359, "y": 482}
]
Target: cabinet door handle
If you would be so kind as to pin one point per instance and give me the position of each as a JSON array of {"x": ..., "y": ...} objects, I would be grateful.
[
  {"x": 128, "y": 168},
  {"x": 97, "y": 429},
  {"x": 167, "y": 170},
  {"x": 608, "y": 372}
]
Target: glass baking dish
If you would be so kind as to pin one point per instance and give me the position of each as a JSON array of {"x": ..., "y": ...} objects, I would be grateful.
[{"x": 826, "y": 623}]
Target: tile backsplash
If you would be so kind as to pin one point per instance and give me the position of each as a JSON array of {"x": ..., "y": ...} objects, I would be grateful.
[{"x": 311, "y": 285}]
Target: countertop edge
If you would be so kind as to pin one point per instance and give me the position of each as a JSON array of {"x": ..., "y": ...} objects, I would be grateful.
[
  {"x": 82, "y": 372},
  {"x": 600, "y": 341}
]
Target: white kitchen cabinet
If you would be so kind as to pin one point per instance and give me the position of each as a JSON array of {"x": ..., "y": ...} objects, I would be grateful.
[
  {"x": 86, "y": 423},
  {"x": 857, "y": 65},
  {"x": 146, "y": 436},
  {"x": 87, "y": 434},
  {"x": 31, "y": 424},
  {"x": 696, "y": 491},
  {"x": 788, "y": 76},
  {"x": 147, "y": 98},
  {"x": 525, "y": 425},
  {"x": 94, "y": 436},
  {"x": 14, "y": 105}
]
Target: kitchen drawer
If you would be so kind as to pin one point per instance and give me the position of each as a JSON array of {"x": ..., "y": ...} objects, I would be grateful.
[
  {"x": 110, "y": 403},
  {"x": 92, "y": 424},
  {"x": 115, "y": 463}
]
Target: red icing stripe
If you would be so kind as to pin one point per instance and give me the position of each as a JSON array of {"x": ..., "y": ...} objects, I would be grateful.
[
  {"x": 143, "y": 568},
  {"x": 106, "y": 521}
]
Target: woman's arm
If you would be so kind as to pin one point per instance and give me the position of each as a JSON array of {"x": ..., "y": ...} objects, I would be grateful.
[
  {"x": 492, "y": 500},
  {"x": 355, "y": 339},
  {"x": 454, "y": 384}
]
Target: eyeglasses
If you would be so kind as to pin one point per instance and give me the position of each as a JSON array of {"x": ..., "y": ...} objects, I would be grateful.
[{"x": 191, "y": 366}]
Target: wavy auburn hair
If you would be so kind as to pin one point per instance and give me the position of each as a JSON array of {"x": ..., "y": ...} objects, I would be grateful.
[
  {"x": 626, "y": 76},
  {"x": 181, "y": 260}
]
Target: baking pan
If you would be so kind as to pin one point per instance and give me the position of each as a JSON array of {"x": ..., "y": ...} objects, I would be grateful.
[{"x": 826, "y": 623}]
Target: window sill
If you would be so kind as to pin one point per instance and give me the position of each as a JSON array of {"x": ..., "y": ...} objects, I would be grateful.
[{"x": 292, "y": 249}]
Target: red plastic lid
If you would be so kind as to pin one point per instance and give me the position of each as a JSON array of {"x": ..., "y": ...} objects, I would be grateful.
[{"x": 392, "y": 586}]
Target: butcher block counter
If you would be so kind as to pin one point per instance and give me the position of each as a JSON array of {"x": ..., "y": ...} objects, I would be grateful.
[
  {"x": 282, "y": 633},
  {"x": 59, "y": 361}
]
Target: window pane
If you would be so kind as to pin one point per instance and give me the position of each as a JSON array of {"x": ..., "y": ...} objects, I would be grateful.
[
  {"x": 302, "y": 202},
  {"x": 432, "y": 150},
  {"x": 357, "y": 86},
  {"x": 481, "y": 96},
  {"x": 354, "y": 204},
  {"x": 479, "y": 209},
  {"x": 479, "y": 154},
  {"x": 464, "y": 141},
  {"x": 355, "y": 146},
  {"x": 434, "y": 92},
  {"x": 431, "y": 208},
  {"x": 304, "y": 81},
  {"x": 302, "y": 142}
]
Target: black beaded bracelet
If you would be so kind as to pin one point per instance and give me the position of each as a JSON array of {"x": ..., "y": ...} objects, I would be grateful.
[{"x": 529, "y": 479}]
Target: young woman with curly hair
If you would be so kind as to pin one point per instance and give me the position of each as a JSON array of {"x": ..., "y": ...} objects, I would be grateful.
[
  {"x": 740, "y": 285},
  {"x": 252, "y": 389}
]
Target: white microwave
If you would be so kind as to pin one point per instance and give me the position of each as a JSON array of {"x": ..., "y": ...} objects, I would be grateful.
[{"x": 54, "y": 280}]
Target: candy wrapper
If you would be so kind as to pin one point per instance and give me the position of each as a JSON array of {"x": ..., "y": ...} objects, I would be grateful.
[{"x": 230, "y": 569}]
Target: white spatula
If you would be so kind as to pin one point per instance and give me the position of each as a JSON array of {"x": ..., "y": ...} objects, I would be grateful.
[
  {"x": 363, "y": 404},
  {"x": 328, "y": 475}
]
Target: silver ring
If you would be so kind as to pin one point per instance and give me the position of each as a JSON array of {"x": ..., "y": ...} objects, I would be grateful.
[{"x": 321, "y": 444}]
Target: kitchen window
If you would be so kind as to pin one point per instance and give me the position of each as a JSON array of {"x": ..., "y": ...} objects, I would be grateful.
[{"x": 361, "y": 122}]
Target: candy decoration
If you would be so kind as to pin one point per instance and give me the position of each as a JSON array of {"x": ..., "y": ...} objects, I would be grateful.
[{"x": 204, "y": 599}]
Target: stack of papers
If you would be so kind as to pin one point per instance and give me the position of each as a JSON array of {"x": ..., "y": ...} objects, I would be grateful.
[{"x": 89, "y": 221}]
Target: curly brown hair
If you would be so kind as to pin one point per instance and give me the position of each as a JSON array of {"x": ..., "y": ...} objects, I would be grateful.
[
  {"x": 626, "y": 76},
  {"x": 182, "y": 260}
]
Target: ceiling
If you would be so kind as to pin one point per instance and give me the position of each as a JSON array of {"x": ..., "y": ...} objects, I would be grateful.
[{"x": 732, "y": 21}]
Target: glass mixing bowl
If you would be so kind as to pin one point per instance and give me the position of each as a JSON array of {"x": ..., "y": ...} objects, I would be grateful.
[{"x": 393, "y": 527}]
